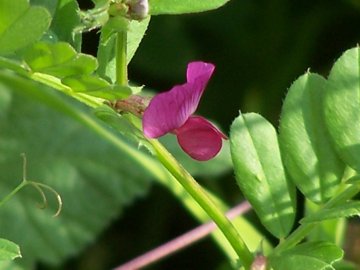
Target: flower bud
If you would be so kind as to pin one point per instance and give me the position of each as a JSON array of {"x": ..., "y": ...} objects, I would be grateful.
[
  {"x": 260, "y": 263},
  {"x": 138, "y": 9}
]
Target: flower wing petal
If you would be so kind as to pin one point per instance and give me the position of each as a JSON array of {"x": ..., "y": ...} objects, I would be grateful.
[
  {"x": 199, "y": 138},
  {"x": 170, "y": 110}
]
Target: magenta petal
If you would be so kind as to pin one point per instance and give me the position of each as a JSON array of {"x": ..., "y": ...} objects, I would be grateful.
[
  {"x": 170, "y": 110},
  {"x": 199, "y": 138},
  {"x": 196, "y": 70}
]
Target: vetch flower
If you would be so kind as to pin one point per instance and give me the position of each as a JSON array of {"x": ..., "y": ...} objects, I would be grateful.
[{"x": 171, "y": 112}]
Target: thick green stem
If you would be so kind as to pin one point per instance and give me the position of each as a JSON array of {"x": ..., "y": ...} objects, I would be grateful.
[
  {"x": 121, "y": 62},
  {"x": 198, "y": 194},
  {"x": 303, "y": 230}
]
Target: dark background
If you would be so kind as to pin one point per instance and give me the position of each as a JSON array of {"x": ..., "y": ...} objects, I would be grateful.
[{"x": 259, "y": 48}]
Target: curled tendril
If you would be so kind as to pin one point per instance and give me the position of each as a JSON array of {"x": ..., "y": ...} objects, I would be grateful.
[
  {"x": 44, "y": 203},
  {"x": 40, "y": 187}
]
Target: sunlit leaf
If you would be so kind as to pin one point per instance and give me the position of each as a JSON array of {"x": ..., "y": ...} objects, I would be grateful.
[
  {"x": 309, "y": 256},
  {"x": 342, "y": 107},
  {"x": 15, "y": 18},
  {"x": 85, "y": 83},
  {"x": 95, "y": 86},
  {"x": 8, "y": 250},
  {"x": 136, "y": 32},
  {"x": 347, "y": 209},
  {"x": 260, "y": 173},
  {"x": 307, "y": 150},
  {"x": 183, "y": 6},
  {"x": 59, "y": 59}
]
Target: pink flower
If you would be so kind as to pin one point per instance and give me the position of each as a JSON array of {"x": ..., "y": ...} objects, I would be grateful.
[{"x": 172, "y": 111}]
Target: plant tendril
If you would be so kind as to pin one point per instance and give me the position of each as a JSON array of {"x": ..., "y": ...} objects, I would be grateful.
[
  {"x": 44, "y": 203},
  {"x": 40, "y": 188}
]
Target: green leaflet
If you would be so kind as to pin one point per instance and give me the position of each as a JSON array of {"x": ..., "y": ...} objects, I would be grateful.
[
  {"x": 342, "y": 107},
  {"x": 260, "y": 174},
  {"x": 95, "y": 86},
  {"x": 58, "y": 59},
  {"x": 85, "y": 83},
  {"x": 309, "y": 256},
  {"x": 347, "y": 209},
  {"x": 15, "y": 18},
  {"x": 183, "y": 6},
  {"x": 65, "y": 21},
  {"x": 308, "y": 154},
  {"x": 8, "y": 250},
  {"x": 66, "y": 18}
]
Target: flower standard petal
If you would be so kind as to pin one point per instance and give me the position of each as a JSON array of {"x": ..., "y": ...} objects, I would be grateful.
[
  {"x": 170, "y": 110},
  {"x": 199, "y": 138},
  {"x": 198, "y": 69}
]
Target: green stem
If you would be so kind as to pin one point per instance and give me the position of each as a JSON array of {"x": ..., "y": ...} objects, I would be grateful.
[
  {"x": 198, "y": 194},
  {"x": 121, "y": 62},
  {"x": 303, "y": 230},
  {"x": 13, "y": 192}
]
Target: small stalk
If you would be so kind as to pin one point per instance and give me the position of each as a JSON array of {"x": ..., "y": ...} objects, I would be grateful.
[
  {"x": 121, "y": 62},
  {"x": 198, "y": 194}
]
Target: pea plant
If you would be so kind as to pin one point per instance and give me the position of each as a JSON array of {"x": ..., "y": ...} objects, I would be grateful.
[{"x": 314, "y": 151}]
